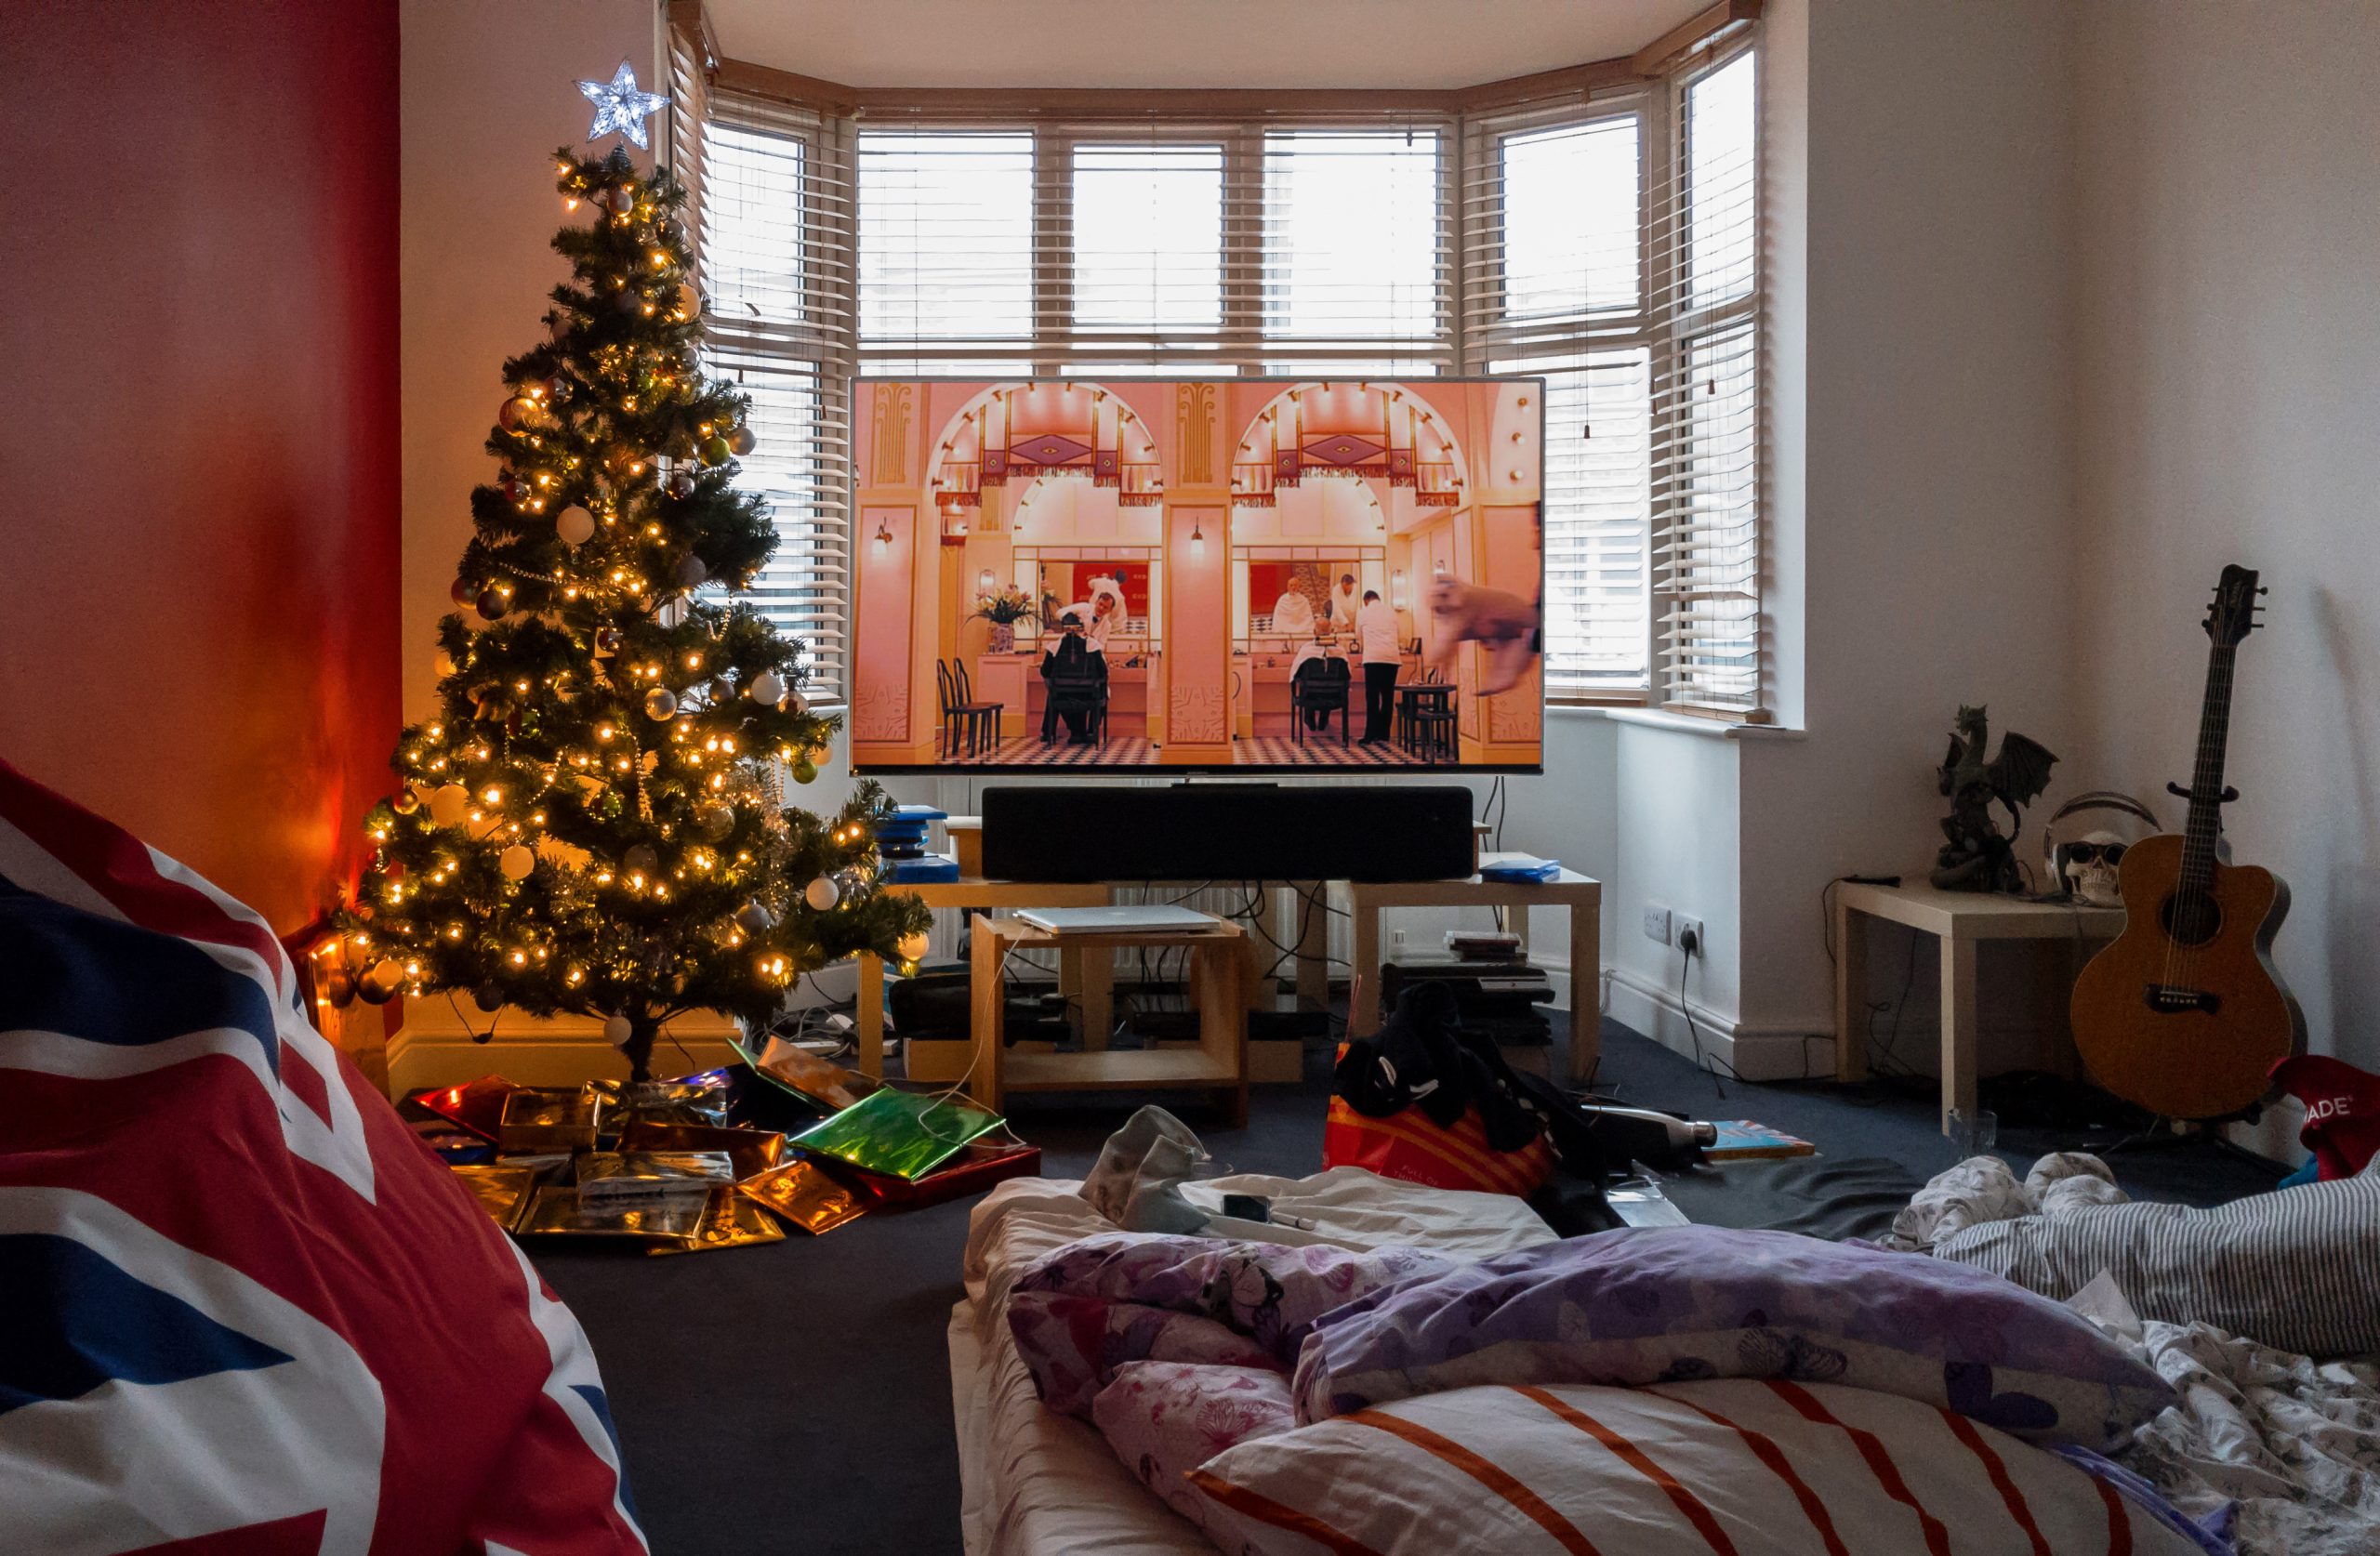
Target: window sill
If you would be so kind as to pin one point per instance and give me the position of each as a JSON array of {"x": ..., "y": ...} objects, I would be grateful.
[{"x": 1680, "y": 723}]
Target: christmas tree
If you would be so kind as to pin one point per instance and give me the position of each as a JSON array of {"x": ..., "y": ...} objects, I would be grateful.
[{"x": 593, "y": 822}]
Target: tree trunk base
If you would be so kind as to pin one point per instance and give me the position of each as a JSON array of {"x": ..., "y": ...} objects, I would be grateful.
[{"x": 643, "y": 1032}]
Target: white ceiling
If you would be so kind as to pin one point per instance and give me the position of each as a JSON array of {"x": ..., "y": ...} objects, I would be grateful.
[{"x": 1184, "y": 43}]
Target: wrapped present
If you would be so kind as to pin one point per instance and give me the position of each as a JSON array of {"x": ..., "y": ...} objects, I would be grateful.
[
  {"x": 753, "y": 1151},
  {"x": 618, "y": 1178},
  {"x": 729, "y": 1221},
  {"x": 805, "y": 1194},
  {"x": 503, "y": 1191},
  {"x": 454, "y": 1147},
  {"x": 800, "y": 1071},
  {"x": 688, "y": 1099},
  {"x": 539, "y": 1119},
  {"x": 475, "y": 1105},
  {"x": 899, "y": 1133},
  {"x": 972, "y": 1170},
  {"x": 546, "y": 1167},
  {"x": 557, "y": 1211}
]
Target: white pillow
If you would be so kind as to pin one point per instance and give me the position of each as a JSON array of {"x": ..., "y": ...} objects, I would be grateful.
[{"x": 1739, "y": 1465}]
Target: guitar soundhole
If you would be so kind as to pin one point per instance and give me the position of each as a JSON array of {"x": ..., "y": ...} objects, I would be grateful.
[{"x": 2191, "y": 918}]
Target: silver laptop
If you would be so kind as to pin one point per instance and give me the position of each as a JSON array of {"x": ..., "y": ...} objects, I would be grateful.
[{"x": 1122, "y": 918}]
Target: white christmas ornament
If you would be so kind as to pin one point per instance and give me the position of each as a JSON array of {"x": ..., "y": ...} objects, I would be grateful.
[
  {"x": 449, "y": 803},
  {"x": 617, "y": 1030},
  {"x": 822, "y": 893},
  {"x": 620, "y": 109},
  {"x": 768, "y": 687},
  {"x": 575, "y": 524},
  {"x": 913, "y": 947},
  {"x": 660, "y": 703},
  {"x": 518, "y": 861}
]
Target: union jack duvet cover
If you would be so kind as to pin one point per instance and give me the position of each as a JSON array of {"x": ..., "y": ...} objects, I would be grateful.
[{"x": 243, "y": 1310}]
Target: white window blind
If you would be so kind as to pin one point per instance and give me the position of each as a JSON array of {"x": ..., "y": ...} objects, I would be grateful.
[
  {"x": 1610, "y": 243},
  {"x": 775, "y": 245},
  {"x": 1357, "y": 251},
  {"x": 1704, "y": 233},
  {"x": 1143, "y": 247}
]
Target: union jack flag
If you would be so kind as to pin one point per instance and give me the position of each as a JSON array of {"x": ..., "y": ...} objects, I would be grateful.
[{"x": 243, "y": 1311}]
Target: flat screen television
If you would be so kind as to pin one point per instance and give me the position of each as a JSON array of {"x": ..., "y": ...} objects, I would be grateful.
[{"x": 1258, "y": 574}]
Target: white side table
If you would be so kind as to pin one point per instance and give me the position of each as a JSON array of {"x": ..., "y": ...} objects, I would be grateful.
[
  {"x": 1582, "y": 894},
  {"x": 1961, "y": 920}
]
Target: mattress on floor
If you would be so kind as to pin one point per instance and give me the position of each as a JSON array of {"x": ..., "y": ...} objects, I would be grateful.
[{"x": 1037, "y": 1483}]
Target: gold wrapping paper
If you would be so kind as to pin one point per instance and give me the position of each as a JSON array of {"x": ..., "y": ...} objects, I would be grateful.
[
  {"x": 729, "y": 1221},
  {"x": 502, "y": 1190},
  {"x": 753, "y": 1151},
  {"x": 556, "y": 1212},
  {"x": 802, "y": 1193},
  {"x": 550, "y": 1120}
]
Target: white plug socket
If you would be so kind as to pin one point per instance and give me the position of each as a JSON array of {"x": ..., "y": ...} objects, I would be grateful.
[
  {"x": 1657, "y": 923},
  {"x": 1693, "y": 927}
]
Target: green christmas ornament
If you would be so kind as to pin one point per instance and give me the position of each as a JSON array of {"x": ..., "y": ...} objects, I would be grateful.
[
  {"x": 804, "y": 771},
  {"x": 715, "y": 450}
]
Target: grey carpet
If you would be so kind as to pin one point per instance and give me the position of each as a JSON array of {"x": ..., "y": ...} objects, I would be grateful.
[{"x": 795, "y": 1398}]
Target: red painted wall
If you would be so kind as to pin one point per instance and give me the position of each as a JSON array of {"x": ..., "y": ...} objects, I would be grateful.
[{"x": 198, "y": 426}]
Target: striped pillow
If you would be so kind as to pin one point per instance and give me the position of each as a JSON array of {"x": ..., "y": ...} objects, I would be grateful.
[
  {"x": 2297, "y": 1268},
  {"x": 1712, "y": 1469}
]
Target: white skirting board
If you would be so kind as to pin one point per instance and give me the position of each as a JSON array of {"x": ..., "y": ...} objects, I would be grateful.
[
  {"x": 1737, "y": 1048},
  {"x": 435, "y": 1047}
]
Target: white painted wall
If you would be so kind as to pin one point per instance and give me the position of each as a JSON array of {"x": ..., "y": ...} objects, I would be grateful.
[
  {"x": 2229, "y": 364},
  {"x": 1920, "y": 476},
  {"x": 487, "y": 95}
]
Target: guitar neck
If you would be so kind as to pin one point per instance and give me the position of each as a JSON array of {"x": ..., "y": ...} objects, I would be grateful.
[{"x": 2205, "y": 824}]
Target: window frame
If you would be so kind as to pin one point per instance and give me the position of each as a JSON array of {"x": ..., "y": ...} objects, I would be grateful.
[{"x": 1471, "y": 327}]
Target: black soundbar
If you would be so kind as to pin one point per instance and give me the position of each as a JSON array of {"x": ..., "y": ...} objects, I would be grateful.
[{"x": 1197, "y": 832}]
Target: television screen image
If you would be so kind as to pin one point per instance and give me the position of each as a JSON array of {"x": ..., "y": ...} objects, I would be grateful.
[{"x": 1264, "y": 574}]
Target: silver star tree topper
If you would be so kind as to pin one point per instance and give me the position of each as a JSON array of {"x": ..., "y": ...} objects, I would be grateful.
[{"x": 620, "y": 109}]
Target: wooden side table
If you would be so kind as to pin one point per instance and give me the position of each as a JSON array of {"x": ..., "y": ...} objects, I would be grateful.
[
  {"x": 1961, "y": 920},
  {"x": 1218, "y": 990},
  {"x": 1582, "y": 894},
  {"x": 1094, "y": 976}
]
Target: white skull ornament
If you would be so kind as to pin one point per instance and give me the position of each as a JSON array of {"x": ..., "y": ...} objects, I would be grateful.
[{"x": 2088, "y": 865}]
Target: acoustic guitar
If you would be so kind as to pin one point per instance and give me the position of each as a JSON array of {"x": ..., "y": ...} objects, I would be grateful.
[{"x": 2183, "y": 1013}]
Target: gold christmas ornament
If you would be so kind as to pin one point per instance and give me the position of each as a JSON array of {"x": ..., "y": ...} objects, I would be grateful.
[
  {"x": 575, "y": 525},
  {"x": 518, "y": 861},
  {"x": 382, "y": 980}
]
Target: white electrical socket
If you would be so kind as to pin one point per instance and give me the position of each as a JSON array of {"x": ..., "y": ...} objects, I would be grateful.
[
  {"x": 1657, "y": 923},
  {"x": 1690, "y": 926},
  {"x": 1397, "y": 941}
]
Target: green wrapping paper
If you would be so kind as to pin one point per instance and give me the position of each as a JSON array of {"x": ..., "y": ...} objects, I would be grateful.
[{"x": 899, "y": 1132}]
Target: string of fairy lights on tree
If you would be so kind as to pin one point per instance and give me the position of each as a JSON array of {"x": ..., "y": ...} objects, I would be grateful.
[{"x": 593, "y": 822}]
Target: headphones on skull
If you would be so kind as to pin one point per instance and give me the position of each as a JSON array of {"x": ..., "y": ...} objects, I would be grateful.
[{"x": 2057, "y": 855}]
